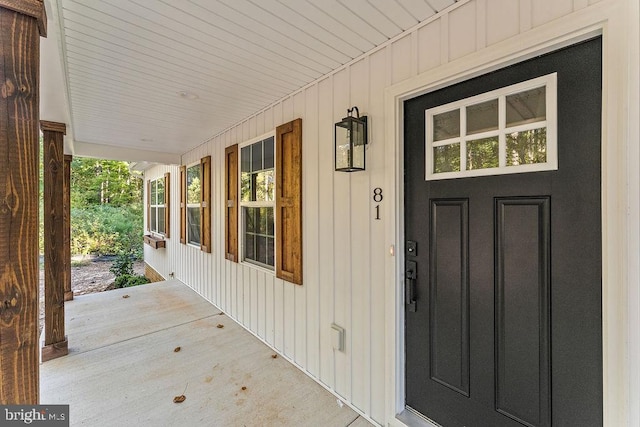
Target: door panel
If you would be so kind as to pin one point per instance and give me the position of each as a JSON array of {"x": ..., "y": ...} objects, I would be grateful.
[{"x": 507, "y": 328}]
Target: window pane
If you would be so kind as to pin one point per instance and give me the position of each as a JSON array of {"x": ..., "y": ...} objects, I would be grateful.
[
  {"x": 446, "y": 125},
  {"x": 265, "y": 186},
  {"x": 193, "y": 225},
  {"x": 153, "y": 193},
  {"x": 245, "y": 187},
  {"x": 250, "y": 246},
  {"x": 483, "y": 153},
  {"x": 270, "y": 251},
  {"x": 245, "y": 159},
  {"x": 527, "y": 147},
  {"x": 526, "y": 107},
  {"x": 482, "y": 117},
  {"x": 446, "y": 158},
  {"x": 268, "y": 153},
  {"x": 193, "y": 184},
  {"x": 153, "y": 226},
  {"x": 161, "y": 225},
  {"x": 256, "y": 156},
  {"x": 261, "y": 249},
  {"x": 270, "y": 222},
  {"x": 160, "y": 190},
  {"x": 250, "y": 220}
]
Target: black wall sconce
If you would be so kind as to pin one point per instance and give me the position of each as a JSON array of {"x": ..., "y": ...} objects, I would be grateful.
[{"x": 350, "y": 139}]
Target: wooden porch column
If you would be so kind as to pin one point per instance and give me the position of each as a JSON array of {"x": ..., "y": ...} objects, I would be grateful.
[
  {"x": 22, "y": 22},
  {"x": 68, "y": 293},
  {"x": 55, "y": 342}
]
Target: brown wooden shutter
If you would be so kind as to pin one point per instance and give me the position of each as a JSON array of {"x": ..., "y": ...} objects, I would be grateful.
[
  {"x": 148, "y": 205},
  {"x": 231, "y": 208},
  {"x": 183, "y": 204},
  {"x": 289, "y": 201},
  {"x": 205, "y": 205},
  {"x": 167, "y": 205}
]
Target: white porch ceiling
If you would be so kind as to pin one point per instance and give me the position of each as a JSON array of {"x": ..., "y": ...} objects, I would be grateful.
[{"x": 166, "y": 75}]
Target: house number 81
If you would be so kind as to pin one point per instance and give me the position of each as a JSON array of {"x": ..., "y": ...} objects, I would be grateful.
[{"x": 377, "y": 197}]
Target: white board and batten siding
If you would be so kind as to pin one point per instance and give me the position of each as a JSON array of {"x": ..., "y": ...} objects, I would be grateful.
[{"x": 345, "y": 247}]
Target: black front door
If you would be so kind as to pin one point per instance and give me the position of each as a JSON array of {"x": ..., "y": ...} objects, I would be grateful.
[{"x": 505, "y": 269}]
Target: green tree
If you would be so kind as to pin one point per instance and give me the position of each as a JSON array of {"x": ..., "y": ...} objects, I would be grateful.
[{"x": 103, "y": 182}]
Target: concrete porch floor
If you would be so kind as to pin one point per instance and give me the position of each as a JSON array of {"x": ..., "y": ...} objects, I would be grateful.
[{"x": 122, "y": 369}]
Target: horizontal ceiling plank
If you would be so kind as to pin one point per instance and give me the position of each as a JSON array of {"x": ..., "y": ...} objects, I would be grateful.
[
  {"x": 440, "y": 5},
  {"x": 201, "y": 35},
  {"x": 373, "y": 17},
  {"x": 329, "y": 23},
  {"x": 263, "y": 27},
  {"x": 420, "y": 9},
  {"x": 351, "y": 20},
  {"x": 179, "y": 53},
  {"x": 395, "y": 12},
  {"x": 307, "y": 25}
]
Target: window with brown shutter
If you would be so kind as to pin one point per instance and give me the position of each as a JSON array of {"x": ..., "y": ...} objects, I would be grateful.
[
  {"x": 231, "y": 207},
  {"x": 205, "y": 205},
  {"x": 149, "y": 205},
  {"x": 183, "y": 204},
  {"x": 158, "y": 205},
  {"x": 167, "y": 203},
  {"x": 289, "y": 201}
]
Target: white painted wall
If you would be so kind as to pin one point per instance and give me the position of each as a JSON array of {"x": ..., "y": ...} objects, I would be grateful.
[{"x": 350, "y": 277}]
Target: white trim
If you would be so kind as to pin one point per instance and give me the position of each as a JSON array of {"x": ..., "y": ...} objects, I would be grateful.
[
  {"x": 606, "y": 18},
  {"x": 549, "y": 82}
]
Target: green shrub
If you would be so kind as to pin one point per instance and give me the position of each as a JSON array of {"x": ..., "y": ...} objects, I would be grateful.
[
  {"x": 128, "y": 280},
  {"x": 107, "y": 230},
  {"x": 122, "y": 265}
]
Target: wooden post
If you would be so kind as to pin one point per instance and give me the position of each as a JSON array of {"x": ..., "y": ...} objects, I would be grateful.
[
  {"x": 55, "y": 342},
  {"x": 68, "y": 293},
  {"x": 21, "y": 25}
]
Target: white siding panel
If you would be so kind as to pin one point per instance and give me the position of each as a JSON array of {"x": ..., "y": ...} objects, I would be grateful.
[
  {"x": 300, "y": 292},
  {"x": 401, "y": 61},
  {"x": 270, "y": 315},
  {"x": 278, "y": 323},
  {"x": 543, "y": 12},
  {"x": 344, "y": 246},
  {"x": 503, "y": 20},
  {"x": 361, "y": 215},
  {"x": 310, "y": 209},
  {"x": 428, "y": 47},
  {"x": 378, "y": 78},
  {"x": 326, "y": 119},
  {"x": 462, "y": 31}
]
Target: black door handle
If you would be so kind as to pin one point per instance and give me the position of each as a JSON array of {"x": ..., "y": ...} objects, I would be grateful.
[{"x": 410, "y": 275}]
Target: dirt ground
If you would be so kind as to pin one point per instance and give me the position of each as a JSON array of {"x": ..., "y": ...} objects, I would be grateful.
[{"x": 87, "y": 277}]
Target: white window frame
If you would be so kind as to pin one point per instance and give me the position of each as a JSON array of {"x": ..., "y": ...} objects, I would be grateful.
[
  {"x": 192, "y": 205},
  {"x": 550, "y": 123},
  {"x": 156, "y": 205},
  {"x": 257, "y": 204}
]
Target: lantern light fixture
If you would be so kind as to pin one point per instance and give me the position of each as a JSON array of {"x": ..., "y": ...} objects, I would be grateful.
[{"x": 350, "y": 139}]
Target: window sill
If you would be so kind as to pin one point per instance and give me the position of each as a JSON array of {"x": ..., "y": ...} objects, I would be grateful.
[
  {"x": 259, "y": 267},
  {"x": 155, "y": 242}
]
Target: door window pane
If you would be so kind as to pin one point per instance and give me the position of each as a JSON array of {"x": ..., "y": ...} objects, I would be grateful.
[
  {"x": 446, "y": 158},
  {"x": 482, "y": 117},
  {"x": 528, "y": 147},
  {"x": 446, "y": 125},
  {"x": 483, "y": 153},
  {"x": 526, "y": 107}
]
